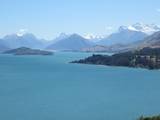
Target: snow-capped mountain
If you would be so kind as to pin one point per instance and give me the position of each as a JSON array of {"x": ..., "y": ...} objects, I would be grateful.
[
  {"x": 22, "y": 40},
  {"x": 21, "y": 32},
  {"x": 130, "y": 34},
  {"x": 140, "y": 27},
  {"x": 125, "y": 35},
  {"x": 93, "y": 38}
]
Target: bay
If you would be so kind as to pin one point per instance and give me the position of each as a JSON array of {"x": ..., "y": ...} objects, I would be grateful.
[{"x": 51, "y": 88}]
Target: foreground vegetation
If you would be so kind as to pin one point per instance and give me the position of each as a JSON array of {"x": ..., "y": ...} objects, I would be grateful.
[
  {"x": 145, "y": 58},
  {"x": 150, "y": 118}
]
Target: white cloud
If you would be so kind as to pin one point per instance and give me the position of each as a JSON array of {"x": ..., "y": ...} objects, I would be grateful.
[{"x": 21, "y": 32}]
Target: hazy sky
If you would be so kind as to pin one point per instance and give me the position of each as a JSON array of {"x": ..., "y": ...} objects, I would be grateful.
[{"x": 48, "y": 18}]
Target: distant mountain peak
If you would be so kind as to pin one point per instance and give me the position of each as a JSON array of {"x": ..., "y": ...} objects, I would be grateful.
[
  {"x": 29, "y": 35},
  {"x": 141, "y": 27},
  {"x": 60, "y": 37},
  {"x": 76, "y": 36},
  {"x": 26, "y": 40},
  {"x": 63, "y": 35},
  {"x": 21, "y": 32},
  {"x": 15, "y": 36},
  {"x": 72, "y": 42},
  {"x": 126, "y": 28}
]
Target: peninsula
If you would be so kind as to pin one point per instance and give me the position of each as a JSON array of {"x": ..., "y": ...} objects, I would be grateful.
[{"x": 145, "y": 58}]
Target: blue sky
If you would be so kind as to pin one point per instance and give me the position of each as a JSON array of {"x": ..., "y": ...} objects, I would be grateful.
[{"x": 48, "y": 18}]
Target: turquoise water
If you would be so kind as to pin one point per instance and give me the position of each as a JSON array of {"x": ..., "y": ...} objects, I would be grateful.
[{"x": 49, "y": 88}]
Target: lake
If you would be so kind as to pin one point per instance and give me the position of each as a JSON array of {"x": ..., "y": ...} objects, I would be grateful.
[{"x": 50, "y": 88}]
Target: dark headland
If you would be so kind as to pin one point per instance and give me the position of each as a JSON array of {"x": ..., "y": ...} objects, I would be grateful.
[{"x": 145, "y": 58}]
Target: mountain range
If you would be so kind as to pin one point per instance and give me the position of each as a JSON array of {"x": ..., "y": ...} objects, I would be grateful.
[
  {"x": 152, "y": 41},
  {"x": 127, "y": 37}
]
